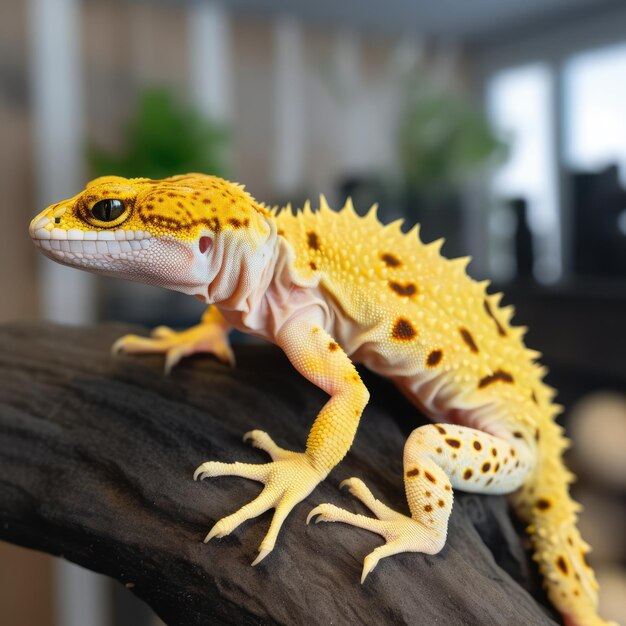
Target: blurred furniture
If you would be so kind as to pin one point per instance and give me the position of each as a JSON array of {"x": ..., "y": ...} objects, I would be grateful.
[{"x": 598, "y": 200}]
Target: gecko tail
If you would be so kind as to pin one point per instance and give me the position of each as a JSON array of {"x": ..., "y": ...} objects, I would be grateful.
[{"x": 559, "y": 550}]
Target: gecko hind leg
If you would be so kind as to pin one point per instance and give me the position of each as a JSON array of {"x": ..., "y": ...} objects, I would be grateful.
[
  {"x": 437, "y": 458},
  {"x": 210, "y": 336}
]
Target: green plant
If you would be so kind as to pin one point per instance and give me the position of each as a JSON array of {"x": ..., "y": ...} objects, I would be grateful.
[
  {"x": 442, "y": 137},
  {"x": 164, "y": 137}
]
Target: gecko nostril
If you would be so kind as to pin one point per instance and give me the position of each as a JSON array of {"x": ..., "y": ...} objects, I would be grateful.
[{"x": 204, "y": 244}]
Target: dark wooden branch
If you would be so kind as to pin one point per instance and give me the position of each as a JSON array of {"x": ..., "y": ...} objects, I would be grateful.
[{"x": 96, "y": 461}]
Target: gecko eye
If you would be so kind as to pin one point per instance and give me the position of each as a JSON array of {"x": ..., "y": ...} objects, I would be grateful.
[{"x": 107, "y": 210}]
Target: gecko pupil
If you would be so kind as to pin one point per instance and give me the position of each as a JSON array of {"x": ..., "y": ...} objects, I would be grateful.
[{"x": 107, "y": 210}]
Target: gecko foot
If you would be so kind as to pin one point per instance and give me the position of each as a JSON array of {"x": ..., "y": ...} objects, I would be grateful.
[
  {"x": 401, "y": 532},
  {"x": 288, "y": 479},
  {"x": 208, "y": 338}
]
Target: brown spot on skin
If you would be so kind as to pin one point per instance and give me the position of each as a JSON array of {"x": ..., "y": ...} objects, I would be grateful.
[
  {"x": 390, "y": 260},
  {"x": 234, "y": 222},
  {"x": 453, "y": 443},
  {"x": 543, "y": 504},
  {"x": 501, "y": 330},
  {"x": 478, "y": 445},
  {"x": 434, "y": 358},
  {"x": 281, "y": 232},
  {"x": 428, "y": 508},
  {"x": 537, "y": 434},
  {"x": 494, "y": 452},
  {"x": 583, "y": 556},
  {"x": 467, "y": 474},
  {"x": 512, "y": 452},
  {"x": 499, "y": 375},
  {"x": 561, "y": 563},
  {"x": 533, "y": 397},
  {"x": 485, "y": 468},
  {"x": 497, "y": 467},
  {"x": 440, "y": 429},
  {"x": 447, "y": 487},
  {"x": 403, "y": 330},
  {"x": 407, "y": 290},
  {"x": 313, "y": 241},
  {"x": 179, "y": 204},
  {"x": 412, "y": 472},
  {"x": 430, "y": 477},
  {"x": 439, "y": 450},
  {"x": 518, "y": 435},
  {"x": 428, "y": 494},
  {"x": 569, "y": 540},
  {"x": 576, "y": 592},
  {"x": 333, "y": 346},
  {"x": 469, "y": 340},
  {"x": 506, "y": 460},
  {"x": 206, "y": 201},
  {"x": 313, "y": 266},
  {"x": 441, "y": 503},
  {"x": 489, "y": 482}
]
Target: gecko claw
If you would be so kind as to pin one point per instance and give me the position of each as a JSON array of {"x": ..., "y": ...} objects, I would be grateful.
[
  {"x": 118, "y": 347},
  {"x": 200, "y": 473},
  {"x": 322, "y": 513},
  {"x": 217, "y": 531},
  {"x": 262, "y": 554},
  {"x": 367, "y": 568},
  {"x": 173, "y": 358},
  {"x": 311, "y": 515}
]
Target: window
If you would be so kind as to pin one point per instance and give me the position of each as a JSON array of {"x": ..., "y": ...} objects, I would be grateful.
[
  {"x": 519, "y": 103},
  {"x": 595, "y": 115}
]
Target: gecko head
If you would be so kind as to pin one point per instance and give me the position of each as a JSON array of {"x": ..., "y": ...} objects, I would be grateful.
[{"x": 198, "y": 234}]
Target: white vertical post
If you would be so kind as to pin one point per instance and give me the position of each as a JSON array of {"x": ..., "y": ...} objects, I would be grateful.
[
  {"x": 82, "y": 597},
  {"x": 66, "y": 294},
  {"x": 210, "y": 57},
  {"x": 288, "y": 106},
  {"x": 353, "y": 140}
]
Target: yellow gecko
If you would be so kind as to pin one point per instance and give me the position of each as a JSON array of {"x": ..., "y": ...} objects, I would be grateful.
[{"x": 331, "y": 289}]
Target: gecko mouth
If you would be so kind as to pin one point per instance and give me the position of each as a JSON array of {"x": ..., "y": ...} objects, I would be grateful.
[
  {"x": 91, "y": 241},
  {"x": 117, "y": 243}
]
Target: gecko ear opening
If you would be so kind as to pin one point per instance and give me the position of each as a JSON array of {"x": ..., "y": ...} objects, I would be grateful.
[{"x": 204, "y": 244}]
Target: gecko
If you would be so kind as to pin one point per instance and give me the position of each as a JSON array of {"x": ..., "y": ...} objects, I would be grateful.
[{"x": 331, "y": 289}]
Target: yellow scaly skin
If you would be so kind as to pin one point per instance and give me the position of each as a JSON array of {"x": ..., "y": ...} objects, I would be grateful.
[{"x": 332, "y": 288}]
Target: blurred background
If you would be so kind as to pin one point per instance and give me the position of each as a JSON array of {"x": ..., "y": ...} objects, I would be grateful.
[{"x": 498, "y": 124}]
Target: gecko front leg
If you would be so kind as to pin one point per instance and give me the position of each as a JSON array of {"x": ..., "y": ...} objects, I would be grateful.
[
  {"x": 209, "y": 336},
  {"x": 437, "y": 458},
  {"x": 291, "y": 476}
]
